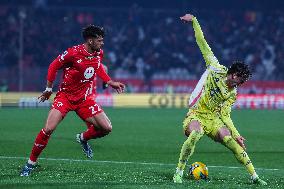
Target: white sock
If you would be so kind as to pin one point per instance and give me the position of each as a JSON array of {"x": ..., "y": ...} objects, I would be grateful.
[
  {"x": 254, "y": 176},
  {"x": 31, "y": 162},
  {"x": 81, "y": 136},
  {"x": 180, "y": 172}
]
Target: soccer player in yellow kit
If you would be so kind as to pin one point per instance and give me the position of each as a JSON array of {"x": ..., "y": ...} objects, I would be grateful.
[{"x": 210, "y": 107}]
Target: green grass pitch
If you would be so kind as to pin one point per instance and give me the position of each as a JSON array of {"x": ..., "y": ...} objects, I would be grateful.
[{"x": 141, "y": 152}]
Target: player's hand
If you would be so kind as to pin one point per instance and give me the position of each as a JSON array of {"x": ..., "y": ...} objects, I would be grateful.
[
  {"x": 44, "y": 96},
  {"x": 119, "y": 87},
  {"x": 241, "y": 141},
  {"x": 186, "y": 18}
]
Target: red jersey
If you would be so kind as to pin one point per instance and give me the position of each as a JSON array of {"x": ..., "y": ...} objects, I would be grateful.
[{"x": 79, "y": 71}]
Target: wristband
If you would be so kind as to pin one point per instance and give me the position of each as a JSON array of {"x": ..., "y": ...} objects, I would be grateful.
[{"x": 48, "y": 89}]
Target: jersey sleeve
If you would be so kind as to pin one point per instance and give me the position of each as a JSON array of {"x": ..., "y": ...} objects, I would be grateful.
[
  {"x": 226, "y": 118},
  {"x": 64, "y": 58},
  {"x": 101, "y": 54},
  {"x": 101, "y": 72},
  {"x": 206, "y": 51}
]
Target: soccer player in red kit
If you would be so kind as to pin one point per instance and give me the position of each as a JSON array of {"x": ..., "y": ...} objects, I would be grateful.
[{"x": 80, "y": 64}]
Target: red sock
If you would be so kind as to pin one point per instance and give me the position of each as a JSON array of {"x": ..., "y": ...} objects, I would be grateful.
[
  {"x": 91, "y": 133},
  {"x": 40, "y": 143}
]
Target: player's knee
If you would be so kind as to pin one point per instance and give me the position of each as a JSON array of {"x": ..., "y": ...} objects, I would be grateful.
[
  {"x": 49, "y": 127},
  {"x": 192, "y": 132},
  {"x": 107, "y": 128},
  {"x": 48, "y": 130},
  {"x": 222, "y": 133},
  {"x": 51, "y": 124},
  {"x": 187, "y": 133},
  {"x": 193, "y": 126}
]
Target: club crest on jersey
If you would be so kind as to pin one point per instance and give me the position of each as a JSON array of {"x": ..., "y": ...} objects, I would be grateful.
[
  {"x": 89, "y": 72},
  {"x": 64, "y": 54}
]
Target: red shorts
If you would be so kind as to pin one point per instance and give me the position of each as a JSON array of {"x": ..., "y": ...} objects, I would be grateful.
[{"x": 84, "y": 109}]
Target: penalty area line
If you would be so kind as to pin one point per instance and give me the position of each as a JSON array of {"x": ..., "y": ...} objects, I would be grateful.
[{"x": 125, "y": 162}]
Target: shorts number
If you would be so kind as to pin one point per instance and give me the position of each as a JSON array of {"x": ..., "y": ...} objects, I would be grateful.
[
  {"x": 59, "y": 104},
  {"x": 96, "y": 108}
]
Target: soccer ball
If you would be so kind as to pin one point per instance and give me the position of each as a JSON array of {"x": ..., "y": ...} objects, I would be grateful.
[{"x": 198, "y": 171}]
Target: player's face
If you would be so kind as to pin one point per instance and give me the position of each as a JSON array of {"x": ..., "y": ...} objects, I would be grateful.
[
  {"x": 96, "y": 43},
  {"x": 234, "y": 81}
]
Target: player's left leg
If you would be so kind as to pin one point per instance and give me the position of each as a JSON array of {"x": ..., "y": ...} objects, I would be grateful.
[
  {"x": 100, "y": 126},
  {"x": 224, "y": 136},
  {"x": 91, "y": 132},
  {"x": 97, "y": 122}
]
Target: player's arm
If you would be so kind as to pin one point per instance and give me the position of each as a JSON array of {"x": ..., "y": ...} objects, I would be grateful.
[
  {"x": 105, "y": 85},
  {"x": 206, "y": 51},
  {"x": 119, "y": 87},
  {"x": 52, "y": 71},
  {"x": 226, "y": 118}
]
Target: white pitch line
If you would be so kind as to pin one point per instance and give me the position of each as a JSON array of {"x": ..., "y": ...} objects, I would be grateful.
[{"x": 125, "y": 162}]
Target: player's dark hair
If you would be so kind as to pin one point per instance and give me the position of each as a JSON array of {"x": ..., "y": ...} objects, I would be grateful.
[
  {"x": 241, "y": 70},
  {"x": 92, "y": 31}
]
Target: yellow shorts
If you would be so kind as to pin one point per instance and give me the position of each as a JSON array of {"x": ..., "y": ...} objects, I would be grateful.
[{"x": 210, "y": 123}]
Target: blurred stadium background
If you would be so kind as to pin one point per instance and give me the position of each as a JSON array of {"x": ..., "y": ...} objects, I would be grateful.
[
  {"x": 146, "y": 46},
  {"x": 150, "y": 50}
]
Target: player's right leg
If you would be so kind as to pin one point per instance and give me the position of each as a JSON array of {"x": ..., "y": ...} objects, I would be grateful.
[
  {"x": 224, "y": 136},
  {"x": 53, "y": 119},
  {"x": 194, "y": 132}
]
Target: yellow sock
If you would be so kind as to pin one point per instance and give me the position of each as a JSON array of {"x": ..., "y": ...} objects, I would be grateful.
[
  {"x": 188, "y": 149},
  {"x": 239, "y": 152}
]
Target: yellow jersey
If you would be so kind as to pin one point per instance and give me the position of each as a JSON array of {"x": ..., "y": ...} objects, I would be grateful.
[{"x": 211, "y": 95}]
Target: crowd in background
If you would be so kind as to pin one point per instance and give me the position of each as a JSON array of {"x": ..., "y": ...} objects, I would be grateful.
[{"x": 140, "y": 43}]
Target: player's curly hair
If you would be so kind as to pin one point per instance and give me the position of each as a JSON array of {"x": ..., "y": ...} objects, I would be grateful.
[
  {"x": 241, "y": 69},
  {"x": 92, "y": 31}
]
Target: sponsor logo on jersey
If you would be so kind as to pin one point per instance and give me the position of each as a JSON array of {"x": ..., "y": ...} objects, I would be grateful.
[
  {"x": 90, "y": 57},
  {"x": 89, "y": 72}
]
